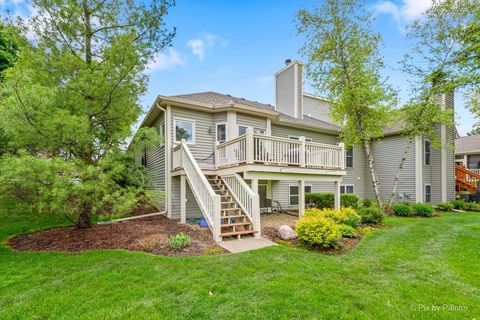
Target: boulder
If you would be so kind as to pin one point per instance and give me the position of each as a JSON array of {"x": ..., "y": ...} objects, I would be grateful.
[{"x": 286, "y": 233}]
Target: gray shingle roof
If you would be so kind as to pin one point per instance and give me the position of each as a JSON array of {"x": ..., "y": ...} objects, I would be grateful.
[
  {"x": 468, "y": 144},
  {"x": 216, "y": 98}
]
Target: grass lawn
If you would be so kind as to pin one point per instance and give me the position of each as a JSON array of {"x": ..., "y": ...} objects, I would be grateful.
[{"x": 394, "y": 273}]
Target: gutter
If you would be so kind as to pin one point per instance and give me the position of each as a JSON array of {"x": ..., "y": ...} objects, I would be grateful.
[{"x": 148, "y": 214}]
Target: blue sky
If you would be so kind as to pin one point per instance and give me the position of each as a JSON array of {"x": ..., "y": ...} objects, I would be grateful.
[{"x": 235, "y": 47}]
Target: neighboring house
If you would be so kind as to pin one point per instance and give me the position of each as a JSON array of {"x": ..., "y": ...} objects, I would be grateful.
[
  {"x": 226, "y": 157},
  {"x": 467, "y": 160}
]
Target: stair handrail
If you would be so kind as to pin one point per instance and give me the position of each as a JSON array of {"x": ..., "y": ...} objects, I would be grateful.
[
  {"x": 208, "y": 201},
  {"x": 466, "y": 171},
  {"x": 245, "y": 197}
]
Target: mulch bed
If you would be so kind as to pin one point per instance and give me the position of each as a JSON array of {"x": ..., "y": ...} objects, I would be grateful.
[{"x": 148, "y": 235}]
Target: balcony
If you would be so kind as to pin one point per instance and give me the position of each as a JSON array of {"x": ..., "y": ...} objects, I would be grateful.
[{"x": 254, "y": 149}]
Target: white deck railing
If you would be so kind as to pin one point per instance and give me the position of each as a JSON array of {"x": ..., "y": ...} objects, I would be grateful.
[
  {"x": 246, "y": 198},
  {"x": 208, "y": 201},
  {"x": 251, "y": 148}
]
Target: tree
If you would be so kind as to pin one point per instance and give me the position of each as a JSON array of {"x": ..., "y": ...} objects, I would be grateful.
[
  {"x": 343, "y": 60},
  {"x": 442, "y": 59},
  {"x": 73, "y": 94},
  {"x": 8, "y": 50}
]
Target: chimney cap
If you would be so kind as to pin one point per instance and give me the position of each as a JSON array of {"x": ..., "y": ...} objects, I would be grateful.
[{"x": 288, "y": 61}]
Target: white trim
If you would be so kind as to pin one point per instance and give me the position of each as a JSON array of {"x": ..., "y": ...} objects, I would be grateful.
[
  {"x": 216, "y": 131},
  {"x": 425, "y": 192},
  {"x": 288, "y": 66},
  {"x": 295, "y": 92},
  {"x": 290, "y": 136},
  {"x": 443, "y": 155},
  {"x": 168, "y": 160},
  {"x": 269, "y": 127},
  {"x": 175, "y": 119},
  {"x": 296, "y": 185},
  {"x": 232, "y": 131},
  {"x": 418, "y": 170},
  {"x": 348, "y": 185}
]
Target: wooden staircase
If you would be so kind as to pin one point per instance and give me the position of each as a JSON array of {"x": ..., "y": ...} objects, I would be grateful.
[
  {"x": 234, "y": 223},
  {"x": 466, "y": 180}
]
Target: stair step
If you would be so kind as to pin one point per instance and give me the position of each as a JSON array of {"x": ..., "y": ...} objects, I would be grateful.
[
  {"x": 236, "y": 224},
  {"x": 234, "y": 216},
  {"x": 236, "y": 233},
  {"x": 231, "y": 209},
  {"x": 228, "y": 202}
]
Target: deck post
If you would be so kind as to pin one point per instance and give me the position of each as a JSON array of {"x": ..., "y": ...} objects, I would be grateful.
[
  {"x": 302, "y": 152},
  {"x": 183, "y": 199},
  {"x": 255, "y": 186},
  {"x": 336, "y": 193},
  {"x": 216, "y": 154},
  {"x": 301, "y": 197},
  {"x": 342, "y": 156},
  {"x": 249, "y": 146}
]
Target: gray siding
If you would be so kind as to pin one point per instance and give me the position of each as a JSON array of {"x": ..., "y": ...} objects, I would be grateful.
[
  {"x": 284, "y": 132},
  {"x": 316, "y": 108},
  {"x": 357, "y": 176},
  {"x": 156, "y": 165},
  {"x": 251, "y": 121},
  {"x": 193, "y": 210},
  {"x": 285, "y": 95}
]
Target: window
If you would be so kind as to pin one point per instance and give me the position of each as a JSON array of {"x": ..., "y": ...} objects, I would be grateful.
[
  {"x": 144, "y": 157},
  {"x": 349, "y": 157},
  {"x": 221, "y": 132},
  {"x": 428, "y": 193},
  {"x": 473, "y": 161},
  {"x": 259, "y": 131},
  {"x": 242, "y": 130},
  {"x": 293, "y": 194},
  {"x": 427, "y": 152},
  {"x": 184, "y": 129},
  {"x": 346, "y": 188},
  {"x": 298, "y": 138}
]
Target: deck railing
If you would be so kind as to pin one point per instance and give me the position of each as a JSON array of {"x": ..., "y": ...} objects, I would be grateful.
[
  {"x": 253, "y": 148},
  {"x": 246, "y": 198},
  {"x": 208, "y": 201}
]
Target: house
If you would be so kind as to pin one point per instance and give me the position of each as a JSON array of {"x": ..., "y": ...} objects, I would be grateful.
[
  {"x": 224, "y": 157},
  {"x": 467, "y": 163}
]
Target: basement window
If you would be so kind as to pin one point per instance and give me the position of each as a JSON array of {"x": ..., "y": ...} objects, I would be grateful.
[
  {"x": 293, "y": 194},
  {"x": 428, "y": 193},
  {"x": 346, "y": 188}
]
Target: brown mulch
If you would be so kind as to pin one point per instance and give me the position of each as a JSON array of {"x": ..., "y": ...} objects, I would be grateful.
[{"x": 148, "y": 235}]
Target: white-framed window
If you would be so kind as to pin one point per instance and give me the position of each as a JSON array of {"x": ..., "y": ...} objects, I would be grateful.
[
  {"x": 161, "y": 132},
  {"x": 349, "y": 157},
  {"x": 427, "y": 152},
  {"x": 259, "y": 131},
  {"x": 242, "y": 130},
  {"x": 428, "y": 193},
  {"x": 184, "y": 129},
  {"x": 346, "y": 188},
  {"x": 221, "y": 132},
  {"x": 298, "y": 138},
  {"x": 293, "y": 193},
  {"x": 144, "y": 157}
]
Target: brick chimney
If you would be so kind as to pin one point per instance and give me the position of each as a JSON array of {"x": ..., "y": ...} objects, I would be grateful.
[{"x": 289, "y": 89}]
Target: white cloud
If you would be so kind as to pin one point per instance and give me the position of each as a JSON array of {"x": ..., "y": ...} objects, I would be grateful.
[
  {"x": 404, "y": 12},
  {"x": 203, "y": 44},
  {"x": 264, "y": 80},
  {"x": 167, "y": 60}
]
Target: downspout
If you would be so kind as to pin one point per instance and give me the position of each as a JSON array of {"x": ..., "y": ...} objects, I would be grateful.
[{"x": 148, "y": 214}]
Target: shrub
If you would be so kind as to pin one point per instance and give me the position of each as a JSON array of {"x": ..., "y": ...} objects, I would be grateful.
[
  {"x": 423, "y": 209},
  {"x": 325, "y": 200},
  {"x": 371, "y": 215},
  {"x": 403, "y": 210},
  {"x": 348, "y": 231},
  {"x": 458, "y": 204},
  {"x": 346, "y": 216},
  {"x": 470, "y": 206},
  {"x": 445, "y": 206},
  {"x": 316, "y": 231},
  {"x": 180, "y": 241},
  {"x": 367, "y": 203}
]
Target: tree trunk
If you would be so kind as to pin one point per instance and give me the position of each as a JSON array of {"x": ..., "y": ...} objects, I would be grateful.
[
  {"x": 373, "y": 172},
  {"x": 397, "y": 175},
  {"x": 84, "y": 220}
]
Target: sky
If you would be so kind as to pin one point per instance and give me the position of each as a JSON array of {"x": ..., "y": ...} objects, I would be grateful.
[{"x": 235, "y": 47}]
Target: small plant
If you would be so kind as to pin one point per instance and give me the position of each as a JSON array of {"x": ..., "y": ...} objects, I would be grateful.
[
  {"x": 403, "y": 210},
  {"x": 348, "y": 231},
  {"x": 325, "y": 200},
  {"x": 445, "y": 206},
  {"x": 346, "y": 216},
  {"x": 349, "y": 200},
  {"x": 317, "y": 231},
  {"x": 470, "y": 206},
  {"x": 180, "y": 241},
  {"x": 458, "y": 204},
  {"x": 423, "y": 209},
  {"x": 367, "y": 203},
  {"x": 372, "y": 215}
]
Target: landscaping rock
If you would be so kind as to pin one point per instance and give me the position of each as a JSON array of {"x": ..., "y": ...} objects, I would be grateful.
[{"x": 286, "y": 233}]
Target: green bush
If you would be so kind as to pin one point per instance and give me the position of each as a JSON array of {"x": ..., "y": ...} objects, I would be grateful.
[
  {"x": 403, "y": 210},
  {"x": 458, "y": 204},
  {"x": 445, "y": 206},
  {"x": 325, "y": 200},
  {"x": 348, "y": 231},
  {"x": 471, "y": 206},
  {"x": 180, "y": 241},
  {"x": 423, "y": 209},
  {"x": 367, "y": 203},
  {"x": 372, "y": 215},
  {"x": 317, "y": 231},
  {"x": 346, "y": 216}
]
